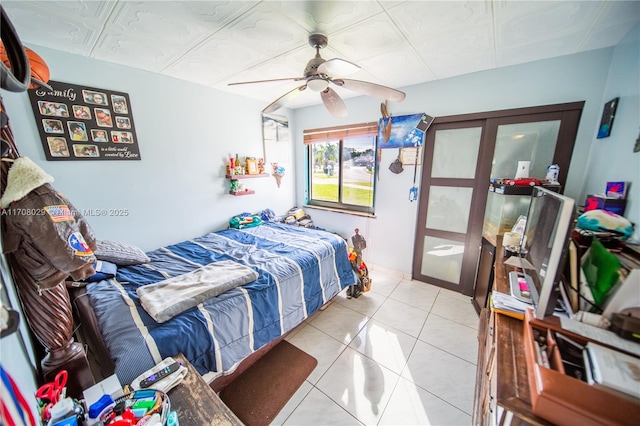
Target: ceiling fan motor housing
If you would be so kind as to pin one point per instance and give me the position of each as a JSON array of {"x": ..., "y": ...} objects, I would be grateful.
[
  {"x": 317, "y": 41},
  {"x": 312, "y": 66}
]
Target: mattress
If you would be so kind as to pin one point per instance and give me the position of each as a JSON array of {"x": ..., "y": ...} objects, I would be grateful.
[{"x": 299, "y": 270}]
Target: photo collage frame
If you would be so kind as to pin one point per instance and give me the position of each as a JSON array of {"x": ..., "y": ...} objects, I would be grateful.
[{"x": 84, "y": 123}]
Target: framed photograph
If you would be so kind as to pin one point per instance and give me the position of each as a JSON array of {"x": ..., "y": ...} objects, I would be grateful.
[
  {"x": 79, "y": 123},
  {"x": 99, "y": 135},
  {"x": 58, "y": 146},
  {"x": 77, "y": 130},
  {"x": 121, "y": 137},
  {"x": 410, "y": 156},
  {"x": 103, "y": 117},
  {"x": 119, "y": 104},
  {"x": 52, "y": 126},
  {"x": 123, "y": 122},
  {"x": 81, "y": 150},
  {"x": 95, "y": 98},
  {"x": 606, "y": 122},
  {"x": 82, "y": 112},
  {"x": 55, "y": 109}
]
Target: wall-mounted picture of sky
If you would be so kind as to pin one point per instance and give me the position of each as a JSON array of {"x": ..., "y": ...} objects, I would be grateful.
[{"x": 407, "y": 131}]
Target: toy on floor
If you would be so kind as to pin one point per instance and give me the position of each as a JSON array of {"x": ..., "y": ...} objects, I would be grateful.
[{"x": 359, "y": 267}]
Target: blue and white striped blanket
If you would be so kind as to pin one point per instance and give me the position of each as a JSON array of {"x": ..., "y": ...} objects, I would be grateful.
[{"x": 299, "y": 270}]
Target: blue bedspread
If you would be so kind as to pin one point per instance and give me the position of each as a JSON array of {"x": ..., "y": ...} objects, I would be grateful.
[{"x": 299, "y": 271}]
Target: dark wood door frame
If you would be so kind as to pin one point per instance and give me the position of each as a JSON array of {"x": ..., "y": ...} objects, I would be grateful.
[{"x": 569, "y": 116}]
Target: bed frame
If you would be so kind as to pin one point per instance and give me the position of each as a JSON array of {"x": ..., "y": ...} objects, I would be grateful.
[{"x": 100, "y": 363}]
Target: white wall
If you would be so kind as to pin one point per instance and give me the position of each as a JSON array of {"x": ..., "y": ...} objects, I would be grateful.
[
  {"x": 612, "y": 158},
  {"x": 185, "y": 132},
  {"x": 390, "y": 234}
]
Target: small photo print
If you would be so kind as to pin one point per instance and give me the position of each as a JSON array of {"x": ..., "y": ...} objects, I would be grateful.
[
  {"x": 58, "y": 146},
  {"x": 85, "y": 150},
  {"x": 121, "y": 137},
  {"x": 52, "y": 126},
  {"x": 77, "y": 130},
  {"x": 123, "y": 123},
  {"x": 119, "y": 104},
  {"x": 82, "y": 112},
  {"x": 95, "y": 98},
  {"x": 53, "y": 108},
  {"x": 103, "y": 117},
  {"x": 99, "y": 135}
]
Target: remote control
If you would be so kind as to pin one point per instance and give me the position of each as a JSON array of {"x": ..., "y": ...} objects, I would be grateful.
[{"x": 156, "y": 377}]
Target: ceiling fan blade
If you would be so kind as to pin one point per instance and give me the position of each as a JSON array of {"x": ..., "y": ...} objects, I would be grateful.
[
  {"x": 334, "y": 103},
  {"x": 337, "y": 66},
  {"x": 282, "y": 100},
  {"x": 371, "y": 89},
  {"x": 266, "y": 81}
]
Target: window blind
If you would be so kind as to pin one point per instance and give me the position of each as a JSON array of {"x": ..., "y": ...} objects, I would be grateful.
[{"x": 350, "y": 131}]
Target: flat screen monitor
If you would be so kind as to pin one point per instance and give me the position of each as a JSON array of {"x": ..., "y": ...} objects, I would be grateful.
[{"x": 545, "y": 244}]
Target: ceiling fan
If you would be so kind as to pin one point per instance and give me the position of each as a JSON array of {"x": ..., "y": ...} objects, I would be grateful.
[{"x": 319, "y": 74}]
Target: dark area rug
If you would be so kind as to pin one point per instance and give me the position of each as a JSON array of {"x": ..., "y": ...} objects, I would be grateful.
[{"x": 259, "y": 393}]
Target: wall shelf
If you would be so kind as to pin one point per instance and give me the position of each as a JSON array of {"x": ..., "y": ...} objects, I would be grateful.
[
  {"x": 233, "y": 178},
  {"x": 245, "y": 192},
  {"x": 236, "y": 177}
]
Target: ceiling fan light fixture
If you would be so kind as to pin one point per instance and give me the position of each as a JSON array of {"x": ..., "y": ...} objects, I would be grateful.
[{"x": 317, "y": 85}]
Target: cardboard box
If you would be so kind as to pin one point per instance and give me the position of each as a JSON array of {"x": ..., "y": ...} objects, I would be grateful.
[{"x": 563, "y": 399}]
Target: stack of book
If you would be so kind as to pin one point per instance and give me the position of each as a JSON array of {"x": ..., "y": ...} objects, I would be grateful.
[
  {"x": 506, "y": 304},
  {"x": 611, "y": 369}
]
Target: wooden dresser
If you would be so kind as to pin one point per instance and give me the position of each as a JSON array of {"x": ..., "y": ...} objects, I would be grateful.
[
  {"x": 197, "y": 404},
  {"x": 502, "y": 386}
]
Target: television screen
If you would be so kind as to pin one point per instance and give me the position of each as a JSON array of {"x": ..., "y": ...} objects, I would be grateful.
[{"x": 545, "y": 245}]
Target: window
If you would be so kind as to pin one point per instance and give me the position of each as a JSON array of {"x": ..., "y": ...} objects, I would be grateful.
[{"x": 341, "y": 172}]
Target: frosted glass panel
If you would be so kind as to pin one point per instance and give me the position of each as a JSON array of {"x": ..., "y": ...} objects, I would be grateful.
[
  {"x": 449, "y": 208},
  {"x": 442, "y": 259},
  {"x": 534, "y": 142},
  {"x": 455, "y": 153}
]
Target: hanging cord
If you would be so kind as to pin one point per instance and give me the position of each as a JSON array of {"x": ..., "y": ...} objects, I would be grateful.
[{"x": 415, "y": 169}]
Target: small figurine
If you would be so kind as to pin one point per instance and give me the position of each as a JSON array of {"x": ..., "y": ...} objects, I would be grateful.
[{"x": 359, "y": 244}]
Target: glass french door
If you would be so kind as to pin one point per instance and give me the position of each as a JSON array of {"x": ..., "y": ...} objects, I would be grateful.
[
  {"x": 460, "y": 157},
  {"x": 448, "y": 196}
]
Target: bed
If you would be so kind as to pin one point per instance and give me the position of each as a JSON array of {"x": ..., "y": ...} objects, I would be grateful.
[{"x": 299, "y": 270}]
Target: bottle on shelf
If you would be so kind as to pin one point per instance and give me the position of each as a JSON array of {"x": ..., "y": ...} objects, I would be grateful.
[{"x": 238, "y": 170}]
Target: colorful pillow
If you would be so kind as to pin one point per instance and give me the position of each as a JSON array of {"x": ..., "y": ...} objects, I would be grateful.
[
  {"x": 603, "y": 220},
  {"x": 121, "y": 254}
]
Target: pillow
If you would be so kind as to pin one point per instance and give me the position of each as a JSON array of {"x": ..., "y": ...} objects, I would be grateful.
[
  {"x": 603, "y": 220},
  {"x": 121, "y": 254}
]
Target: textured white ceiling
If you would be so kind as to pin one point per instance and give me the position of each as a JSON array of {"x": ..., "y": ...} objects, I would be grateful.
[{"x": 396, "y": 43}]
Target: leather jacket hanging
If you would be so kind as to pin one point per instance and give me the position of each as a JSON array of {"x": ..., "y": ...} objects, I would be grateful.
[{"x": 45, "y": 233}]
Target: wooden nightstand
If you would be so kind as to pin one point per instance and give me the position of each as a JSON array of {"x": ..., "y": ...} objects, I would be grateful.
[{"x": 196, "y": 403}]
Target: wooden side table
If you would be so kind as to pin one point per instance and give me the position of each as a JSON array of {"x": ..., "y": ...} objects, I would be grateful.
[{"x": 196, "y": 403}]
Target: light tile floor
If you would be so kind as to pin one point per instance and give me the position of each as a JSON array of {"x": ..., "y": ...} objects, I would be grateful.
[{"x": 402, "y": 354}]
